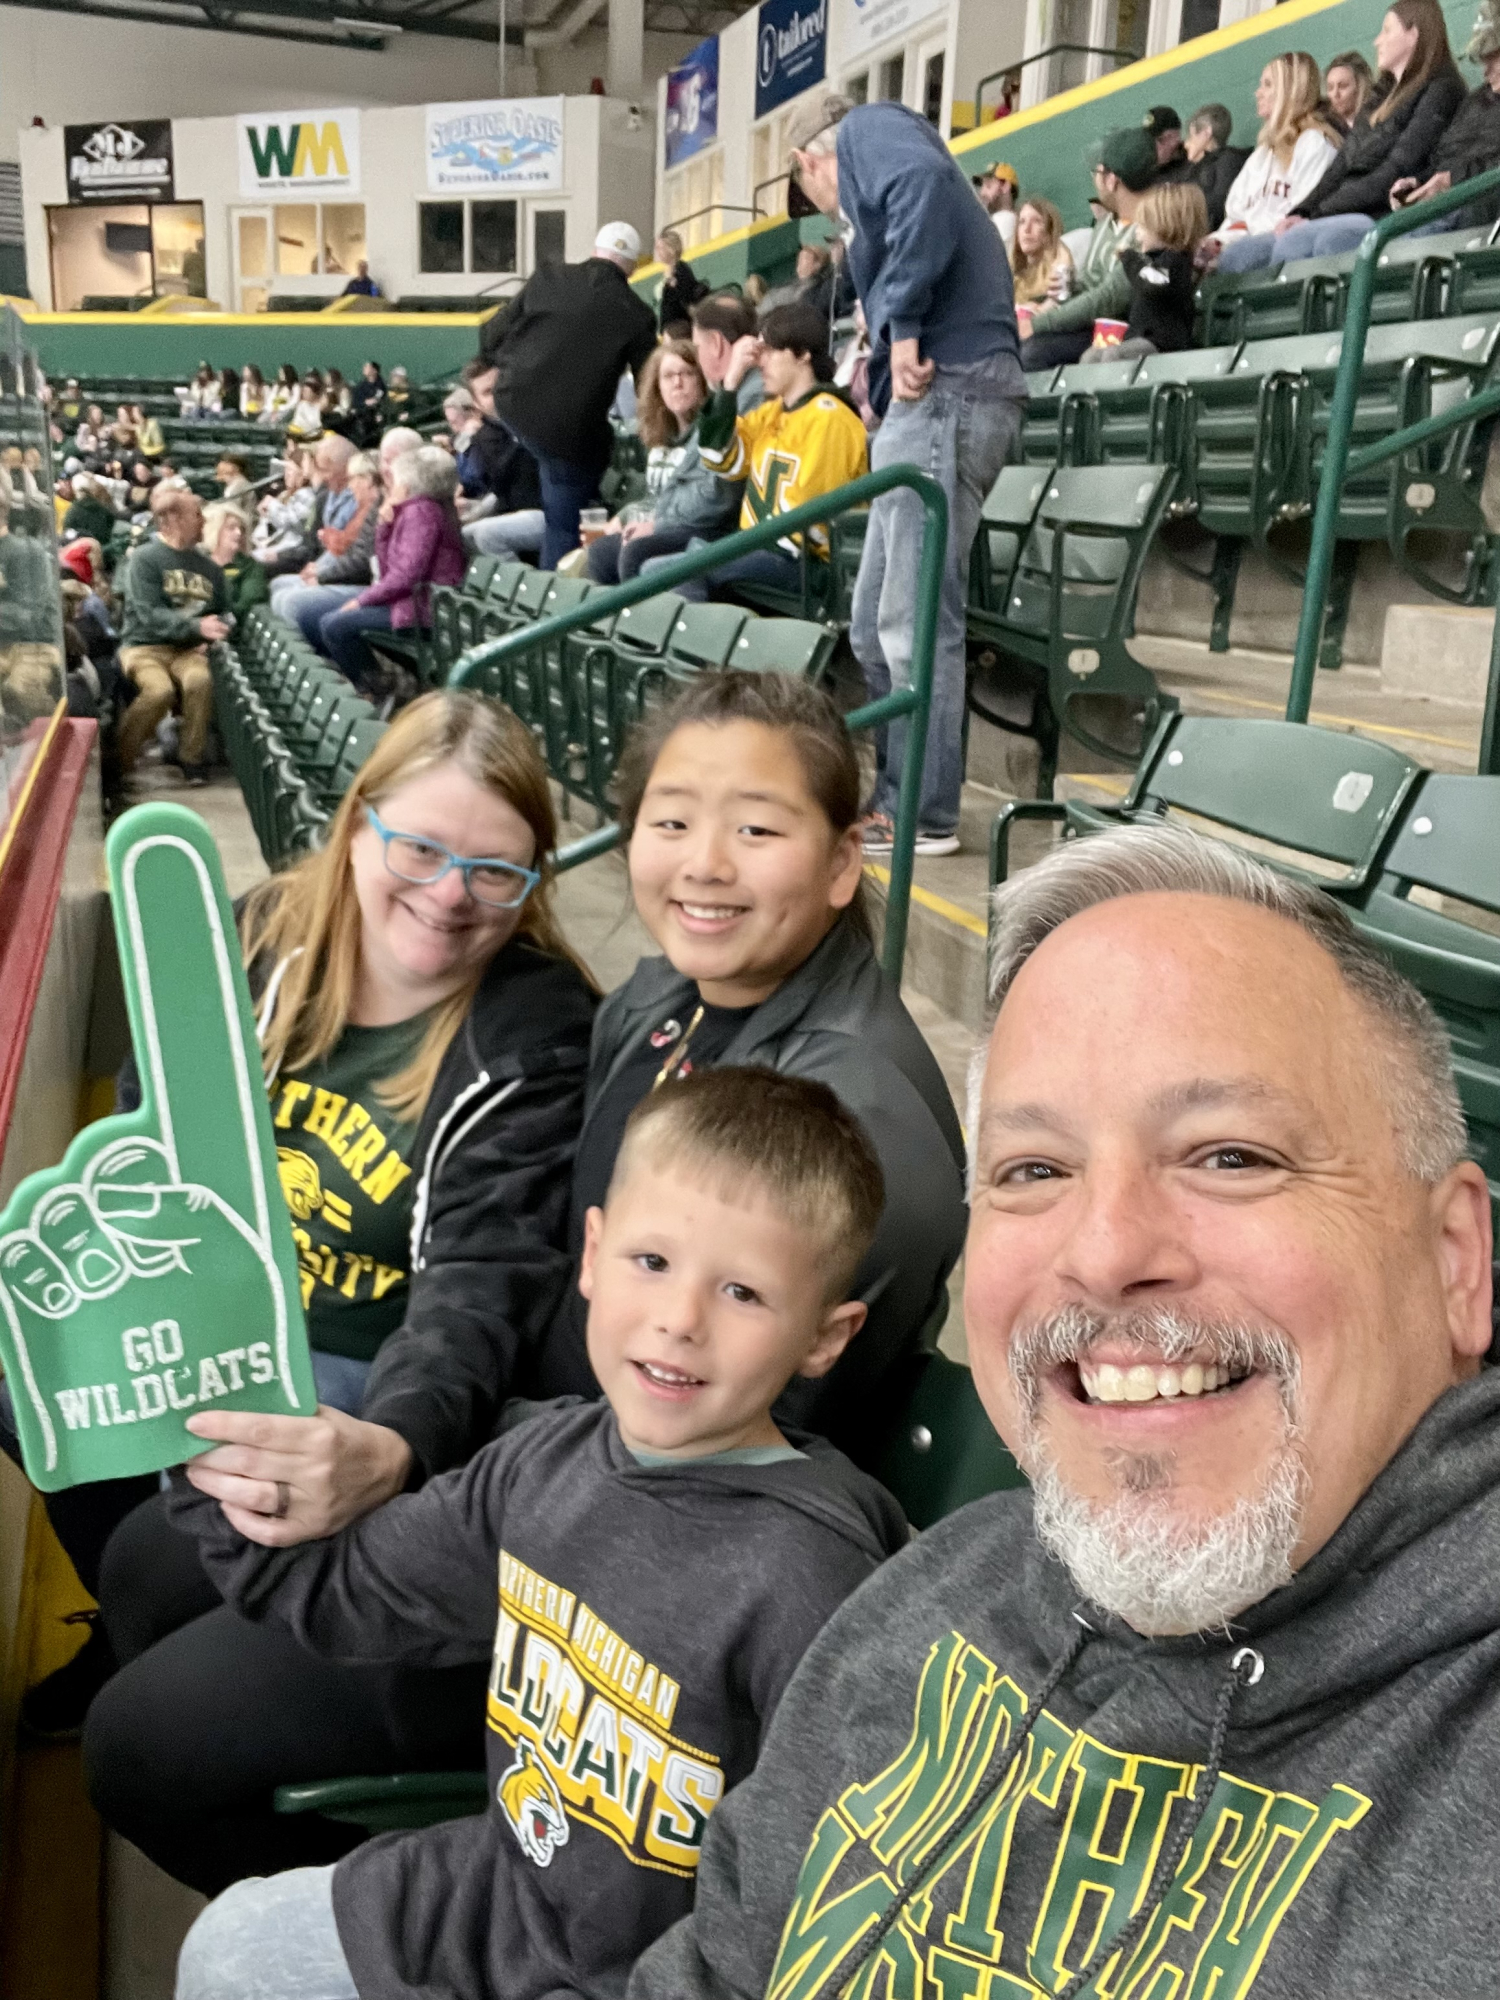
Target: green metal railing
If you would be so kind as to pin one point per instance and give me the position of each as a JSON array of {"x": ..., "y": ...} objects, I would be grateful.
[
  {"x": 1339, "y": 463},
  {"x": 914, "y": 701}
]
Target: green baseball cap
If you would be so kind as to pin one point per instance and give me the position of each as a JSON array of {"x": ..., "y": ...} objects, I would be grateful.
[{"x": 1130, "y": 155}]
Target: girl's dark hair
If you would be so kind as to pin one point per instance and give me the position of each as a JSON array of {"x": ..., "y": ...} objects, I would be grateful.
[
  {"x": 792, "y": 708},
  {"x": 800, "y": 329},
  {"x": 1431, "y": 57}
]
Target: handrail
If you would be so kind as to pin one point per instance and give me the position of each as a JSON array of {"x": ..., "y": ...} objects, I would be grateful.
[
  {"x": 1336, "y": 456},
  {"x": 1053, "y": 49},
  {"x": 772, "y": 180},
  {"x": 710, "y": 208},
  {"x": 914, "y": 700}
]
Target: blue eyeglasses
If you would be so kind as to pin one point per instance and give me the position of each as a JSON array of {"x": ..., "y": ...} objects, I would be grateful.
[{"x": 412, "y": 857}]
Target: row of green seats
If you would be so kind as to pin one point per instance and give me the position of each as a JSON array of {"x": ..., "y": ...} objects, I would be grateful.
[
  {"x": 1053, "y": 580},
  {"x": 1414, "y": 855},
  {"x": 1245, "y": 426},
  {"x": 1416, "y": 277}
]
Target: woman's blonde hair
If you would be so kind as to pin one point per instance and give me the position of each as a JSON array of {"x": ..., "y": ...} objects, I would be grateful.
[
  {"x": 653, "y": 420},
  {"x": 312, "y": 909},
  {"x": 215, "y": 514},
  {"x": 1296, "y": 100},
  {"x": 1031, "y": 274},
  {"x": 1176, "y": 212}
]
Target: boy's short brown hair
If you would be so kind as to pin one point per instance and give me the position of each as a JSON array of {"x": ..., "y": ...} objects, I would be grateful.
[
  {"x": 1176, "y": 212},
  {"x": 805, "y": 1151}
]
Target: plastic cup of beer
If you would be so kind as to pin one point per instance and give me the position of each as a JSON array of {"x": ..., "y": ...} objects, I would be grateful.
[{"x": 592, "y": 522}]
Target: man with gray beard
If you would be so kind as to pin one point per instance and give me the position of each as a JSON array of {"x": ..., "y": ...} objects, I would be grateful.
[{"x": 1214, "y": 1711}]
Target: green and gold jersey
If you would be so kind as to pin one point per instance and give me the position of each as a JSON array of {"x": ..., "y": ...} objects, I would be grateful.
[
  {"x": 786, "y": 454},
  {"x": 346, "y": 1173}
]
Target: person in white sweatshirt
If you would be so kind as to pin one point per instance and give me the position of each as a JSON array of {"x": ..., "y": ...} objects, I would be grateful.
[{"x": 1292, "y": 153}]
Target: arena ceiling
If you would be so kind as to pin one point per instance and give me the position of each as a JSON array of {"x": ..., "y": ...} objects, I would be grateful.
[{"x": 375, "y": 24}]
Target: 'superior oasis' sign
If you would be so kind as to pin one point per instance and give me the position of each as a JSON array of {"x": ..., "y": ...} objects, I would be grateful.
[
  {"x": 496, "y": 144},
  {"x": 153, "y": 1273}
]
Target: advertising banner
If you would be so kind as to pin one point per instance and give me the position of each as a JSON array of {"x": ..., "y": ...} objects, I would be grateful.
[
  {"x": 693, "y": 102},
  {"x": 124, "y": 160},
  {"x": 791, "y": 51},
  {"x": 861, "y": 26},
  {"x": 495, "y": 144},
  {"x": 299, "y": 152}
]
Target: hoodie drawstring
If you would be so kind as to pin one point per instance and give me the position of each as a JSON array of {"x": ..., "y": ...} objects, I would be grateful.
[
  {"x": 1245, "y": 1669},
  {"x": 1076, "y": 1643}
]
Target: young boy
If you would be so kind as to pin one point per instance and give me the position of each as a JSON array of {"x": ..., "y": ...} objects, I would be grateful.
[{"x": 665, "y": 1557}]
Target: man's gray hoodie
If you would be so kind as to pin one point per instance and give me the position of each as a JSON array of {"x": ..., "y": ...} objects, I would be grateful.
[
  {"x": 648, "y": 1618},
  {"x": 1350, "y": 1834}
]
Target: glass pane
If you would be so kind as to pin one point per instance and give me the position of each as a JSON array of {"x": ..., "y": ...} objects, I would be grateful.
[
  {"x": 442, "y": 234},
  {"x": 31, "y": 641},
  {"x": 343, "y": 237},
  {"x": 177, "y": 240},
  {"x": 932, "y": 90},
  {"x": 255, "y": 246},
  {"x": 549, "y": 228},
  {"x": 857, "y": 88},
  {"x": 893, "y": 78},
  {"x": 296, "y": 240},
  {"x": 1199, "y": 17},
  {"x": 91, "y": 258},
  {"x": 493, "y": 224}
]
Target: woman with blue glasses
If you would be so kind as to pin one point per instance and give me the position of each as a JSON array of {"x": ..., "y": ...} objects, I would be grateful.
[{"x": 425, "y": 1032}]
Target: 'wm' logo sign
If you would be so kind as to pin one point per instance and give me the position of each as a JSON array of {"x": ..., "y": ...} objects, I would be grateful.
[{"x": 303, "y": 149}]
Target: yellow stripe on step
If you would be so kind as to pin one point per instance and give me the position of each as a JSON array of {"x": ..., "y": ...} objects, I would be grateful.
[{"x": 939, "y": 905}]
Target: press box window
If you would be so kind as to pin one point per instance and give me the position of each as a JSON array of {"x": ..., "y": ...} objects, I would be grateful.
[
  {"x": 493, "y": 228},
  {"x": 442, "y": 236},
  {"x": 484, "y": 240}
]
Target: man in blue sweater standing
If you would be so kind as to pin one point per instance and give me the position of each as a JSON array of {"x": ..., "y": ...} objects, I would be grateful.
[{"x": 946, "y": 381}]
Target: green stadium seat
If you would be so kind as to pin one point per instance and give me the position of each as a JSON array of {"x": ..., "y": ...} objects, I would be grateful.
[{"x": 792, "y": 646}]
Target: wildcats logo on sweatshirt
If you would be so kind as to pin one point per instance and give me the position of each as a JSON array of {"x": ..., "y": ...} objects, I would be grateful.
[
  {"x": 1102, "y": 1816},
  {"x": 591, "y": 1722}
]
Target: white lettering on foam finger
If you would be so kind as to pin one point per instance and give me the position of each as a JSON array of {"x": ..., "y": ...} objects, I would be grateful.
[{"x": 98, "y": 1405}]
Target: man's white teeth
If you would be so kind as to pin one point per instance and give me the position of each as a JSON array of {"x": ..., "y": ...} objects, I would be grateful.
[
  {"x": 1105, "y": 1383},
  {"x": 710, "y": 913}
]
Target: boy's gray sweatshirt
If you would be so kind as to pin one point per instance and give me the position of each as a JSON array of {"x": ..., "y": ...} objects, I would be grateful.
[
  {"x": 648, "y": 1620},
  {"x": 1350, "y": 1831}
]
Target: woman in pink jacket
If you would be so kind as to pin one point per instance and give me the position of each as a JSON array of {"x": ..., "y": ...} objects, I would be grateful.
[{"x": 418, "y": 543}]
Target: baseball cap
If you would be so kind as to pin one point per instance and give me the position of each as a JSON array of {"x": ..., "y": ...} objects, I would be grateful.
[
  {"x": 1002, "y": 170},
  {"x": 618, "y": 239},
  {"x": 1130, "y": 154},
  {"x": 1161, "y": 118}
]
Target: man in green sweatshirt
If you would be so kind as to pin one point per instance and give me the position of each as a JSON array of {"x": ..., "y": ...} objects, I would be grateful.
[
  {"x": 175, "y": 606},
  {"x": 1212, "y": 1711},
  {"x": 1124, "y": 169}
]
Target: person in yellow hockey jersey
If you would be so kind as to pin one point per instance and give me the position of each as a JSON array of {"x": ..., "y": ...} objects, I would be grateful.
[{"x": 805, "y": 439}]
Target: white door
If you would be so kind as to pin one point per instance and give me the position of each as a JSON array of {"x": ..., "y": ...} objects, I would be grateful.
[{"x": 254, "y": 260}]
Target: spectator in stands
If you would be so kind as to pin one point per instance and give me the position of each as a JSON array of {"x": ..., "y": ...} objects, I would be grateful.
[
  {"x": 142, "y": 485},
  {"x": 1214, "y": 163},
  {"x": 338, "y": 575},
  {"x": 333, "y": 507},
  {"x": 90, "y": 514},
  {"x": 148, "y": 434},
  {"x": 1471, "y": 144},
  {"x": 337, "y": 399},
  {"x": 365, "y": 399},
  {"x": 559, "y": 348},
  {"x": 852, "y": 372},
  {"x": 252, "y": 391},
  {"x": 757, "y": 1195},
  {"x": 998, "y": 188},
  {"x": 410, "y": 999},
  {"x": 202, "y": 398},
  {"x": 1124, "y": 170},
  {"x": 286, "y": 517},
  {"x": 1347, "y": 83},
  {"x": 362, "y": 285},
  {"x": 1417, "y": 91},
  {"x": 418, "y": 543},
  {"x": 806, "y": 439},
  {"x": 229, "y": 392},
  {"x": 281, "y": 396},
  {"x": 395, "y": 401},
  {"x": 1163, "y": 128},
  {"x": 1173, "y": 221},
  {"x": 304, "y": 420},
  {"x": 754, "y": 290},
  {"x": 70, "y": 405},
  {"x": 463, "y": 417},
  {"x": 1040, "y": 264},
  {"x": 948, "y": 388},
  {"x": 226, "y": 539},
  {"x": 175, "y": 606},
  {"x": 121, "y": 433},
  {"x": 1278, "y": 1591},
  {"x": 92, "y": 435},
  {"x": 719, "y": 321},
  {"x": 232, "y": 474},
  {"x": 680, "y": 288},
  {"x": 683, "y": 498},
  {"x": 1293, "y": 150},
  {"x": 514, "y": 525}
]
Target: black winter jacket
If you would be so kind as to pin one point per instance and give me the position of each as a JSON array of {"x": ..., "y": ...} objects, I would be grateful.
[
  {"x": 680, "y": 292},
  {"x": 561, "y": 346},
  {"x": 1470, "y": 145},
  {"x": 1215, "y": 173},
  {"x": 443, "y": 1384},
  {"x": 1374, "y": 157},
  {"x": 507, "y": 467}
]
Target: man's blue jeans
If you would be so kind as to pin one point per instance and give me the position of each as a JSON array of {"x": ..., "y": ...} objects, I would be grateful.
[
  {"x": 566, "y": 489},
  {"x": 306, "y": 605},
  {"x": 766, "y": 566},
  {"x": 343, "y": 639},
  {"x": 960, "y": 435}
]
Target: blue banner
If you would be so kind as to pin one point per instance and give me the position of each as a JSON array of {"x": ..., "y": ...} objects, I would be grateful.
[
  {"x": 790, "y": 51},
  {"x": 693, "y": 102}
]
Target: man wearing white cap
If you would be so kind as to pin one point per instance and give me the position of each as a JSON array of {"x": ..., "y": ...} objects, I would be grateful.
[{"x": 553, "y": 358}]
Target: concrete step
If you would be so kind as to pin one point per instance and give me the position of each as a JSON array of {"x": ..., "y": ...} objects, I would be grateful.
[{"x": 1437, "y": 652}]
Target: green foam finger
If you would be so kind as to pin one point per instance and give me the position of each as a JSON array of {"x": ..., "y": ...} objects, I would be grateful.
[{"x": 153, "y": 1273}]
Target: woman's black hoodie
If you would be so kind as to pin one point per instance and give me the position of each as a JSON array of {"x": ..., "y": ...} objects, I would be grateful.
[{"x": 1374, "y": 157}]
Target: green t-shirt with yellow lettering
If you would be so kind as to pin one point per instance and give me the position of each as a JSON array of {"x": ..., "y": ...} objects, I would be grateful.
[{"x": 347, "y": 1177}]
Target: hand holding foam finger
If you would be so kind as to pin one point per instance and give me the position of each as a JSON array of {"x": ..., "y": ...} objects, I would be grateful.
[{"x": 153, "y": 1272}]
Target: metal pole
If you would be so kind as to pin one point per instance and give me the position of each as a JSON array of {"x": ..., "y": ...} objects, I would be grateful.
[
  {"x": 502, "y": 48},
  {"x": 1489, "y": 733}
]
